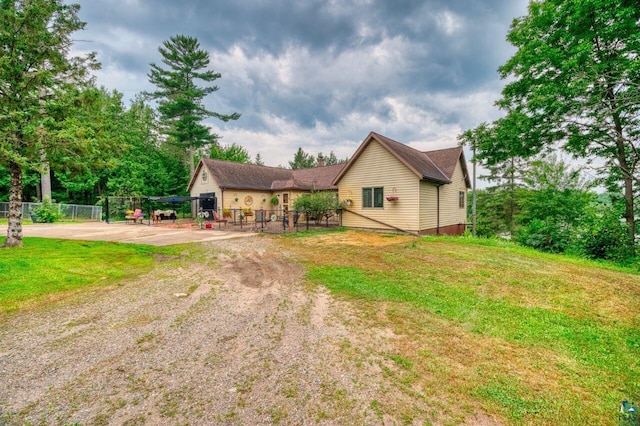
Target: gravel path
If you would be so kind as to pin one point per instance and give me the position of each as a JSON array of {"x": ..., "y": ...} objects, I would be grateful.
[{"x": 232, "y": 337}]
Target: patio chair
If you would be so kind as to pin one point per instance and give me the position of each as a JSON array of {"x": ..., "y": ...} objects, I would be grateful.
[
  {"x": 137, "y": 214},
  {"x": 217, "y": 219}
]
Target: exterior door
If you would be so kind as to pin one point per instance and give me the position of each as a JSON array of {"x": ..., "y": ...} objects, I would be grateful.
[{"x": 208, "y": 204}]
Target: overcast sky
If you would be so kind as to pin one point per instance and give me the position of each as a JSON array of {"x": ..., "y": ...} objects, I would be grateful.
[{"x": 320, "y": 74}]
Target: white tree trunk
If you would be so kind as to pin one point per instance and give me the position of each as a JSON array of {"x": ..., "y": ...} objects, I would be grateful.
[{"x": 14, "y": 230}]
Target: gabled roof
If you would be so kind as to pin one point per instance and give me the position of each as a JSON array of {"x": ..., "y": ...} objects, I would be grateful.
[
  {"x": 434, "y": 166},
  {"x": 230, "y": 175},
  {"x": 447, "y": 159}
]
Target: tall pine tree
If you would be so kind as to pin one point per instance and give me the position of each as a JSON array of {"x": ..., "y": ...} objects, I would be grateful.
[
  {"x": 180, "y": 99},
  {"x": 302, "y": 160}
]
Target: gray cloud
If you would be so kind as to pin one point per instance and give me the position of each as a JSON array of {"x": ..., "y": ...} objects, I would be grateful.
[{"x": 320, "y": 74}]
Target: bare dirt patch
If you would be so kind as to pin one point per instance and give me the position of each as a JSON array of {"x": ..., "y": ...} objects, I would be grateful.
[
  {"x": 361, "y": 239},
  {"x": 231, "y": 338}
]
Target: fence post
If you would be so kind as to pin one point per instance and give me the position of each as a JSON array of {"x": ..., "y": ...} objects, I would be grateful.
[{"x": 290, "y": 217}]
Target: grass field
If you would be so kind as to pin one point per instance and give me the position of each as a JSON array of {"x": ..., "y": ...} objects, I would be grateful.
[
  {"x": 482, "y": 326},
  {"x": 50, "y": 269}
]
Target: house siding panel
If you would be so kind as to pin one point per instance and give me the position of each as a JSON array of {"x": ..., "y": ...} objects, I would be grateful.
[
  {"x": 428, "y": 205},
  {"x": 200, "y": 187},
  {"x": 256, "y": 196},
  {"x": 450, "y": 211},
  {"x": 376, "y": 167}
]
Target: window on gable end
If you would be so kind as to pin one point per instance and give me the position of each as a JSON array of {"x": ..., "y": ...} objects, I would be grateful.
[{"x": 373, "y": 197}]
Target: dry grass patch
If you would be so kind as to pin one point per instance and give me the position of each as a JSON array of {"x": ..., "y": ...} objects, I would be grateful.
[{"x": 486, "y": 330}]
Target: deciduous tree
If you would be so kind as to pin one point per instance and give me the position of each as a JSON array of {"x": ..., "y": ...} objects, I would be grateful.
[
  {"x": 575, "y": 85},
  {"x": 233, "y": 152}
]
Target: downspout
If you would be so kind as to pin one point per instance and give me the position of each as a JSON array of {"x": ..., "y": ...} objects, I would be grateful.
[
  {"x": 438, "y": 209},
  {"x": 473, "y": 207}
]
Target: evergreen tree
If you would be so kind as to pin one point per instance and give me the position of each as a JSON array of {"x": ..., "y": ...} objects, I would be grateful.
[
  {"x": 302, "y": 160},
  {"x": 332, "y": 159},
  {"x": 38, "y": 78},
  {"x": 96, "y": 118},
  {"x": 180, "y": 99},
  {"x": 258, "y": 161}
]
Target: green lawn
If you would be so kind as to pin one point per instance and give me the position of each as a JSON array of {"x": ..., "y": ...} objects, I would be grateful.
[
  {"x": 49, "y": 269},
  {"x": 482, "y": 326}
]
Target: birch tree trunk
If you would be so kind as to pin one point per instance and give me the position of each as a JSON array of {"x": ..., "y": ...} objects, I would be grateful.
[
  {"x": 45, "y": 179},
  {"x": 14, "y": 230}
]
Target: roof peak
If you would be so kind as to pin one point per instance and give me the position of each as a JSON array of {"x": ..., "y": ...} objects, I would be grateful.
[{"x": 423, "y": 165}]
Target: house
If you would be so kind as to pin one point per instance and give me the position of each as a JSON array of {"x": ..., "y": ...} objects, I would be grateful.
[
  {"x": 228, "y": 185},
  {"x": 389, "y": 185},
  {"x": 386, "y": 185}
]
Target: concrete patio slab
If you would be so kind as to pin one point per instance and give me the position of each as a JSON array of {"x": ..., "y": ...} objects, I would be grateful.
[{"x": 125, "y": 233}]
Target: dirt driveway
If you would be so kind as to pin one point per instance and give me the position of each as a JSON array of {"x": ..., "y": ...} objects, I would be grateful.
[{"x": 231, "y": 337}]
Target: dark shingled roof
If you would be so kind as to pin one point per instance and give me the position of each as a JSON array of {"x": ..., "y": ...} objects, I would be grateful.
[
  {"x": 418, "y": 161},
  {"x": 446, "y": 159},
  {"x": 230, "y": 175},
  {"x": 434, "y": 166},
  {"x": 320, "y": 177}
]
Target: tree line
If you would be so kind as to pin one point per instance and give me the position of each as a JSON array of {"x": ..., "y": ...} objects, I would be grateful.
[
  {"x": 574, "y": 88},
  {"x": 547, "y": 205},
  {"x": 56, "y": 123}
]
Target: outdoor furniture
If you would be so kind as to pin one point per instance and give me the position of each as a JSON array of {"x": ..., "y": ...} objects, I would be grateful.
[
  {"x": 218, "y": 220},
  {"x": 137, "y": 214},
  {"x": 160, "y": 215}
]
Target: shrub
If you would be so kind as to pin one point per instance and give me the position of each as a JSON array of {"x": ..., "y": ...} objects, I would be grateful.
[
  {"x": 46, "y": 213},
  {"x": 318, "y": 204},
  {"x": 605, "y": 237},
  {"x": 320, "y": 201},
  {"x": 546, "y": 236}
]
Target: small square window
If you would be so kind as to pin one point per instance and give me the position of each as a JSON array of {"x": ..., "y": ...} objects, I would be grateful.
[{"x": 373, "y": 197}]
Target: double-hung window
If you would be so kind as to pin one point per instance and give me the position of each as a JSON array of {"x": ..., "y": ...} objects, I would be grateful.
[{"x": 373, "y": 197}]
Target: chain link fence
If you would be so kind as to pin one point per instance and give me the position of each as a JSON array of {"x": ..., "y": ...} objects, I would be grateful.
[{"x": 65, "y": 211}]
